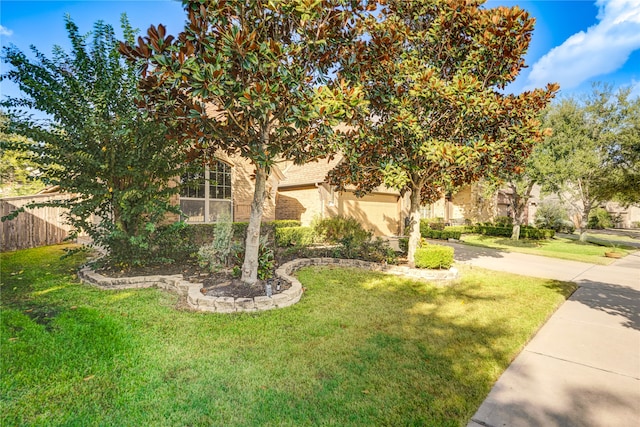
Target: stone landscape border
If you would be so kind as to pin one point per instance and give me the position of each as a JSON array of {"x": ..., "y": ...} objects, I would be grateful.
[{"x": 198, "y": 301}]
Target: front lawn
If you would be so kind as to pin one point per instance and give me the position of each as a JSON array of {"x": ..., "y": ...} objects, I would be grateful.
[
  {"x": 558, "y": 247},
  {"x": 359, "y": 349}
]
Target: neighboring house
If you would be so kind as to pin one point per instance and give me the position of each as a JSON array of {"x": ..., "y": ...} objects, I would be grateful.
[
  {"x": 471, "y": 204},
  {"x": 304, "y": 195},
  {"x": 624, "y": 216}
]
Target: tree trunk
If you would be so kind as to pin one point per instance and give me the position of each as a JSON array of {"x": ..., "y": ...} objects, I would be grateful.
[
  {"x": 583, "y": 223},
  {"x": 519, "y": 205},
  {"x": 414, "y": 226},
  {"x": 518, "y": 216},
  {"x": 252, "y": 243},
  {"x": 515, "y": 232}
]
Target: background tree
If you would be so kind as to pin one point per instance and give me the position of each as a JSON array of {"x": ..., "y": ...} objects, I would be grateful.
[
  {"x": 253, "y": 78},
  {"x": 432, "y": 72},
  {"x": 592, "y": 155},
  {"x": 18, "y": 170},
  {"x": 520, "y": 183},
  {"x": 95, "y": 143}
]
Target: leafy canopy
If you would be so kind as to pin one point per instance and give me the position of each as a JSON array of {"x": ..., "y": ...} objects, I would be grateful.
[
  {"x": 95, "y": 143},
  {"x": 433, "y": 74},
  {"x": 253, "y": 78},
  {"x": 593, "y": 154}
]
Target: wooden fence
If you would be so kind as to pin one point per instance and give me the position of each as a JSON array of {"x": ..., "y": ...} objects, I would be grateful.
[{"x": 34, "y": 227}]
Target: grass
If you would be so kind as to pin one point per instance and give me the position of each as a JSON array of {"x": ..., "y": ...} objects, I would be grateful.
[
  {"x": 359, "y": 349},
  {"x": 558, "y": 247}
]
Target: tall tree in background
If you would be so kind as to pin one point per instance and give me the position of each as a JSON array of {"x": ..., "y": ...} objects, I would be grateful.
[
  {"x": 95, "y": 143},
  {"x": 19, "y": 171},
  {"x": 253, "y": 78},
  {"x": 432, "y": 72},
  {"x": 593, "y": 154}
]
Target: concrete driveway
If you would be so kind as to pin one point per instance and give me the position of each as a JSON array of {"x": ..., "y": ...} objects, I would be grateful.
[{"x": 583, "y": 367}]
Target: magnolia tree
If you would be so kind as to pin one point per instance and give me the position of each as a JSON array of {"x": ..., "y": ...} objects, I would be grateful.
[
  {"x": 433, "y": 73},
  {"x": 253, "y": 78}
]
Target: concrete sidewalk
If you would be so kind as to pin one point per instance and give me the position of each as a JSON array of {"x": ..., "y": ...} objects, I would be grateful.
[{"x": 583, "y": 367}]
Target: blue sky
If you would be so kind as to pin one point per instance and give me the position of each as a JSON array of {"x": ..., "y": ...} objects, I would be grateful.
[{"x": 575, "y": 42}]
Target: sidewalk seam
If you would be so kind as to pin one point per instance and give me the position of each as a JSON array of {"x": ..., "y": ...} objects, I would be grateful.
[
  {"x": 582, "y": 364},
  {"x": 573, "y": 279}
]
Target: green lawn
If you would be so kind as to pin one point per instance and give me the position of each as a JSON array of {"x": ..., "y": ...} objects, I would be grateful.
[
  {"x": 359, "y": 349},
  {"x": 558, "y": 247}
]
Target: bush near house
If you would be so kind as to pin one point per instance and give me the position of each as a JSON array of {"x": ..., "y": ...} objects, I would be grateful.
[
  {"x": 599, "y": 219},
  {"x": 462, "y": 229},
  {"x": 200, "y": 234},
  {"x": 434, "y": 256},
  {"x": 340, "y": 229},
  {"x": 441, "y": 234},
  {"x": 437, "y": 230},
  {"x": 294, "y": 236}
]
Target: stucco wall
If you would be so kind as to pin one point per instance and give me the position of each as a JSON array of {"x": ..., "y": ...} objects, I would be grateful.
[{"x": 380, "y": 213}]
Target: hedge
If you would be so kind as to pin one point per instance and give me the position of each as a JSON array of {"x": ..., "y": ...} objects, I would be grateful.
[
  {"x": 434, "y": 256},
  {"x": 441, "y": 234},
  {"x": 200, "y": 234},
  {"x": 462, "y": 229},
  {"x": 536, "y": 233},
  {"x": 525, "y": 232},
  {"x": 294, "y": 236}
]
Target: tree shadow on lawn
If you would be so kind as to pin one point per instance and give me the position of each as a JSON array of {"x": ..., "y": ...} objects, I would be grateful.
[
  {"x": 382, "y": 351},
  {"x": 468, "y": 252}
]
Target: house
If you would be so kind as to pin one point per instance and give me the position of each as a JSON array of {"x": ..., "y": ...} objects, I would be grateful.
[
  {"x": 298, "y": 192},
  {"x": 301, "y": 192},
  {"x": 225, "y": 186},
  {"x": 305, "y": 195}
]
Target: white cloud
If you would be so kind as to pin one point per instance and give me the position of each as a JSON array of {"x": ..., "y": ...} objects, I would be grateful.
[
  {"x": 602, "y": 49},
  {"x": 4, "y": 31}
]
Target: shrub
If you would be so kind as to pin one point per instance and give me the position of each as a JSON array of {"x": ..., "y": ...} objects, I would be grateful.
[
  {"x": 378, "y": 250},
  {"x": 526, "y": 232},
  {"x": 281, "y": 223},
  {"x": 462, "y": 229},
  {"x": 599, "y": 218},
  {"x": 403, "y": 244},
  {"x": 536, "y": 233},
  {"x": 564, "y": 226},
  {"x": 266, "y": 260},
  {"x": 503, "y": 221},
  {"x": 343, "y": 230},
  {"x": 434, "y": 256},
  {"x": 552, "y": 215},
  {"x": 436, "y": 224},
  {"x": 294, "y": 236},
  {"x": 424, "y": 227},
  {"x": 490, "y": 230},
  {"x": 441, "y": 234}
]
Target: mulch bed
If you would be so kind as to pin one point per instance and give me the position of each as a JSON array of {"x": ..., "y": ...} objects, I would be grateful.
[{"x": 217, "y": 284}]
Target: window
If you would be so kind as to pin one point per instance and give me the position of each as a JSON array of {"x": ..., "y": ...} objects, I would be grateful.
[{"x": 206, "y": 195}]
